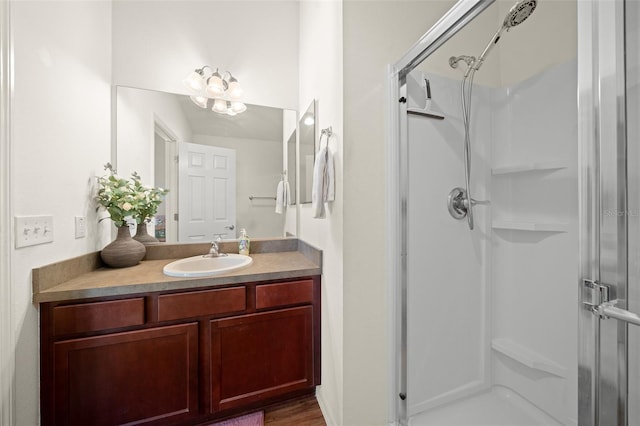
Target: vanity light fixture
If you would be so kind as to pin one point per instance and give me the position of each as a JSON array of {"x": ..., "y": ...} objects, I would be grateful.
[{"x": 223, "y": 89}]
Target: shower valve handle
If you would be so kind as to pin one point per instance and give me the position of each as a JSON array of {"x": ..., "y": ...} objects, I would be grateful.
[
  {"x": 480, "y": 202},
  {"x": 475, "y": 202},
  {"x": 458, "y": 203}
]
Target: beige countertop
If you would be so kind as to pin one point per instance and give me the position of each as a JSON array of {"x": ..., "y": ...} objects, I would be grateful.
[{"x": 86, "y": 277}]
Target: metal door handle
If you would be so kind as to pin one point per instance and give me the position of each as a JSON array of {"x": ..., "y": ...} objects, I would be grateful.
[
  {"x": 230, "y": 227},
  {"x": 609, "y": 310},
  {"x": 598, "y": 302}
]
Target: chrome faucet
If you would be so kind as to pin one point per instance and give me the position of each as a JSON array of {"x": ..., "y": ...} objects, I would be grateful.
[{"x": 214, "y": 251}]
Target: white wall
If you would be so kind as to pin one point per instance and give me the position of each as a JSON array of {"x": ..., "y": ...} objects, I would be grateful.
[
  {"x": 61, "y": 139},
  {"x": 137, "y": 113},
  {"x": 522, "y": 52},
  {"x": 547, "y": 38},
  {"x": 376, "y": 33},
  {"x": 156, "y": 44},
  {"x": 321, "y": 69}
]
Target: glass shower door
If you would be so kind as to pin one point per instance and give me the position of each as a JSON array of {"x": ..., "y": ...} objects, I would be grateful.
[{"x": 609, "y": 103}]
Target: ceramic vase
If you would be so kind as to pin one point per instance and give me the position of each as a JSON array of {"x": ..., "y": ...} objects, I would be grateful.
[
  {"x": 124, "y": 251},
  {"x": 143, "y": 236}
]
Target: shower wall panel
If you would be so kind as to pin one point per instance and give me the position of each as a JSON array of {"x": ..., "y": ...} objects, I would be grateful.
[
  {"x": 510, "y": 290},
  {"x": 535, "y": 273},
  {"x": 448, "y": 292}
]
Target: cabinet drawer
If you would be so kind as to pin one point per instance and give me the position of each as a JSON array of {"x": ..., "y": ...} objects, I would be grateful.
[
  {"x": 201, "y": 303},
  {"x": 98, "y": 316},
  {"x": 283, "y": 294}
]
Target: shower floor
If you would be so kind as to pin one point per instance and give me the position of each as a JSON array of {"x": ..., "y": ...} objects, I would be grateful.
[{"x": 497, "y": 407}]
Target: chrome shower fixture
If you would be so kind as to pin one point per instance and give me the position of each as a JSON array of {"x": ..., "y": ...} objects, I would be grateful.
[
  {"x": 453, "y": 61},
  {"x": 518, "y": 13},
  {"x": 460, "y": 201}
]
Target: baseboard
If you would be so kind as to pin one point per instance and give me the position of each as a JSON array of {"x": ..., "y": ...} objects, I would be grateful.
[{"x": 328, "y": 418}]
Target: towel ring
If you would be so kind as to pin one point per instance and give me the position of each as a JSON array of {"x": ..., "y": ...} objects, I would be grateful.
[{"x": 329, "y": 132}]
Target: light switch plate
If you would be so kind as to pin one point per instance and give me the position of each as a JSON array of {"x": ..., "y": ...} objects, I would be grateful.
[
  {"x": 33, "y": 230},
  {"x": 81, "y": 227}
]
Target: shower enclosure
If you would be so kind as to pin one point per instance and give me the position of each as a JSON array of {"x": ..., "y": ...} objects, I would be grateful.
[{"x": 524, "y": 313}]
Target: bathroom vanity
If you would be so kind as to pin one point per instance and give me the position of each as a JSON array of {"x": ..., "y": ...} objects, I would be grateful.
[{"x": 132, "y": 346}]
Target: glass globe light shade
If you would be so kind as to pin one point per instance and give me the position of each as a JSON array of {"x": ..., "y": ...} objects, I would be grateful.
[
  {"x": 238, "y": 107},
  {"x": 194, "y": 81},
  {"x": 201, "y": 101},
  {"x": 235, "y": 91},
  {"x": 220, "y": 106},
  {"x": 215, "y": 85}
]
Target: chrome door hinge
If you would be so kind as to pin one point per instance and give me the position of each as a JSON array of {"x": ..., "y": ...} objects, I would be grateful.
[{"x": 595, "y": 295}]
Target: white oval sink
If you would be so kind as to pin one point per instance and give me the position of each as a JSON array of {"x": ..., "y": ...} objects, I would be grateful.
[{"x": 203, "y": 266}]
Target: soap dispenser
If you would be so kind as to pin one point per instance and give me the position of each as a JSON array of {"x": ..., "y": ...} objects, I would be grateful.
[{"x": 244, "y": 243}]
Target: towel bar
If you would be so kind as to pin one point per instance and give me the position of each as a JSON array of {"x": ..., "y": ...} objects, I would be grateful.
[{"x": 253, "y": 197}]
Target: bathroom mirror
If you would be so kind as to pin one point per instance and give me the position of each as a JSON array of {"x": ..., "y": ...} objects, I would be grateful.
[
  {"x": 292, "y": 156},
  {"x": 222, "y": 171},
  {"x": 307, "y": 130}
]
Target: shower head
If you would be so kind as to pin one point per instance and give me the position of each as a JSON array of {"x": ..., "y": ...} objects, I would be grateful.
[
  {"x": 519, "y": 13},
  {"x": 516, "y": 15}
]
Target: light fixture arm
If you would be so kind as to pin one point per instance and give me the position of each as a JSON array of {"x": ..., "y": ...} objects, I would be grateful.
[{"x": 201, "y": 70}]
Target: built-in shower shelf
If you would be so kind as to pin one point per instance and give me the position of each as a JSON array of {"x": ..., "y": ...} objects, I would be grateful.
[
  {"x": 530, "y": 226},
  {"x": 527, "y": 357},
  {"x": 528, "y": 167}
]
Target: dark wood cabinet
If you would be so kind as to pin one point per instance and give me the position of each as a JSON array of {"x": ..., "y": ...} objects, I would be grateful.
[
  {"x": 179, "y": 357},
  {"x": 117, "y": 378},
  {"x": 257, "y": 356}
]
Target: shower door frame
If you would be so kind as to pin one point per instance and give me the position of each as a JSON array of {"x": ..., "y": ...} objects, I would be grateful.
[
  {"x": 603, "y": 186},
  {"x": 463, "y": 12}
]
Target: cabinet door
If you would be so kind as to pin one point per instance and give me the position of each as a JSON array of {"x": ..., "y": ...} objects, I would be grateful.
[
  {"x": 133, "y": 377},
  {"x": 260, "y": 356}
]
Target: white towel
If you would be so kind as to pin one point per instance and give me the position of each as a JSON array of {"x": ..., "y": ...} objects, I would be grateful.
[
  {"x": 329, "y": 179},
  {"x": 323, "y": 187},
  {"x": 287, "y": 193},
  {"x": 283, "y": 196},
  {"x": 280, "y": 197}
]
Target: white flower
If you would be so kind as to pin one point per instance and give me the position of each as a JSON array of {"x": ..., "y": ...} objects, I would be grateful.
[{"x": 126, "y": 207}]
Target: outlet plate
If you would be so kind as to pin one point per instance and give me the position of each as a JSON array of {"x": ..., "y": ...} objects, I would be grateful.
[
  {"x": 81, "y": 227},
  {"x": 33, "y": 230}
]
